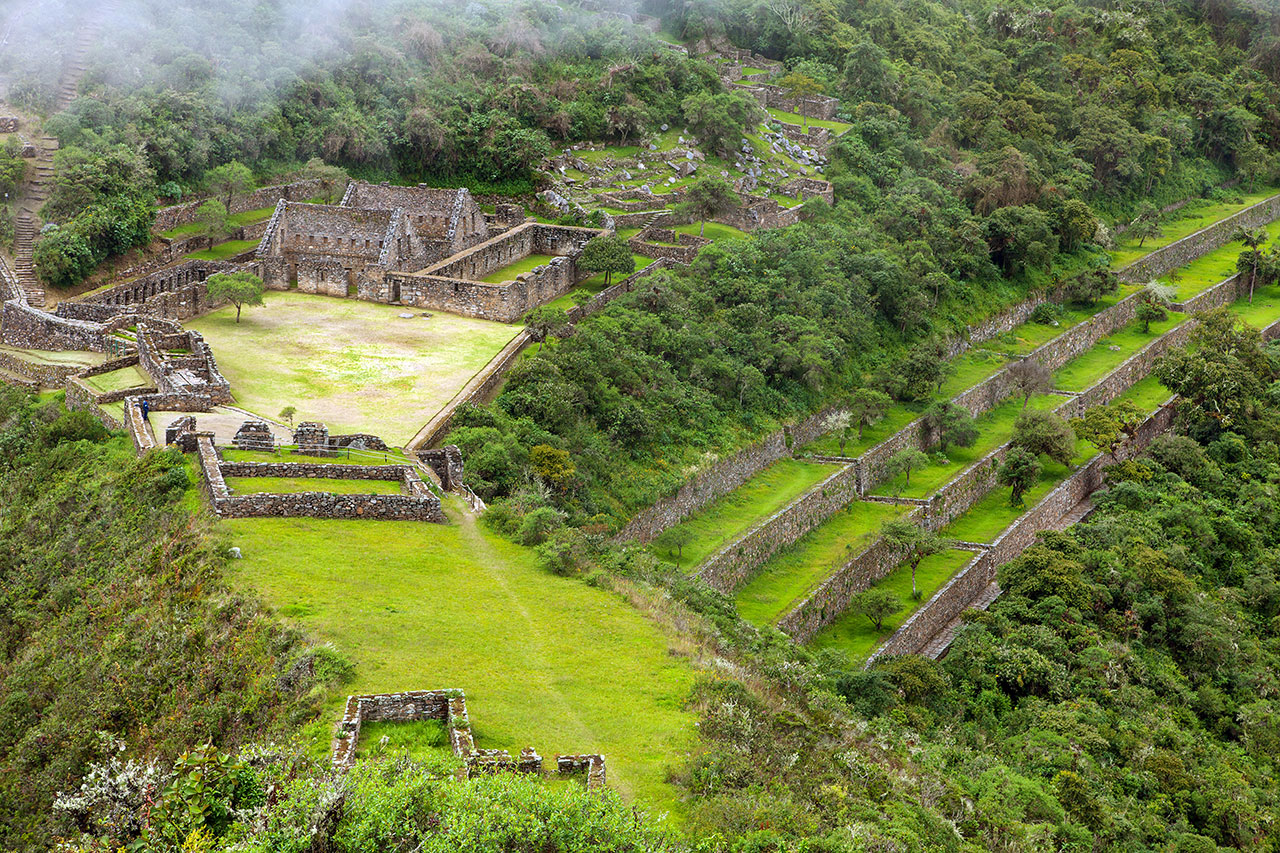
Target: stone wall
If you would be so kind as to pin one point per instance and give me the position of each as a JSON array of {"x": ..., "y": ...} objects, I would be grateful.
[
  {"x": 45, "y": 375},
  {"x": 9, "y": 124},
  {"x": 184, "y": 214},
  {"x": 1220, "y": 295},
  {"x": 613, "y": 291},
  {"x": 29, "y": 328},
  {"x": 770, "y": 96},
  {"x": 176, "y": 293},
  {"x": 654, "y": 242},
  {"x": 1182, "y": 252},
  {"x": 476, "y": 391},
  {"x": 79, "y": 397}
]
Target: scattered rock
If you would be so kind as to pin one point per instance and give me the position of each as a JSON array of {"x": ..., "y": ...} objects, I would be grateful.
[
  {"x": 234, "y": 553},
  {"x": 406, "y": 316}
]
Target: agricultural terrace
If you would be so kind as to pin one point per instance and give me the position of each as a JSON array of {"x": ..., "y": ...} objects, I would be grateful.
[
  {"x": 1195, "y": 215},
  {"x": 356, "y": 366},
  {"x": 546, "y": 661}
]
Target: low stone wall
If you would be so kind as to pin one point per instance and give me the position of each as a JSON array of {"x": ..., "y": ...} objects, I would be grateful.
[
  {"x": 175, "y": 293},
  {"x": 736, "y": 563},
  {"x": 778, "y": 98},
  {"x": 184, "y": 214},
  {"x": 81, "y": 398},
  {"x": 1181, "y": 252},
  {"x": 9, "y": 124},
  {"x": 613, "y": 291},
  {"x": 29, "y": 328},
  {"x": 476, "y": 391},
  {"x": 45, "y": 375},
  {"x": 1220, "y": 295},
  {"x": 687, "y": 248},
  {"x": 318, "y": 470}
]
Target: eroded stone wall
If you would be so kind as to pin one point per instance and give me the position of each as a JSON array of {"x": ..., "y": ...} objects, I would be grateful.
[
  {"x": 28, "y": 328},
  {"x": 168, "y": 218}
]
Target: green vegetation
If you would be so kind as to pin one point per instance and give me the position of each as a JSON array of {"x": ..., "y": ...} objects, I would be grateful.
[
  {"x": 853, "y": 634},
  {"x": 723, "y": 520},
  {"x": 59, "y": 357},
  {"x": 792, "y": 572},
  {"x": 118, "y": 380},
  {"x": 1147, "y": 395},
  {"x": 1195, "y": 215},
  {"x": 1106, "y": 355},
  {"x": 356, "y": 366},
  {"x": 235, "y": 220},
  {"x": 837, "y": 127},
  {"x": 1264, "y": 310},
  {"x": 1211, "y": 268},
  {"x": 393, "y": 456},
  {"x": 510, "y": 271},
  {"x": 255, "y": 485},
  {"x": 420, "y": 740},
  {"x": 571, "y": 655},
  {"x": 223, "y": 251}
]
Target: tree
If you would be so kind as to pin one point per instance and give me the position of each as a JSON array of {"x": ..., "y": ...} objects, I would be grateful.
[
  {"x": 1107, "y": 427},
  {"x": 543, "y": 321},
  {"x": 213, "y": 219},
  {"x": 1252, "y": 238},
  {"x": 1090, "y": 286},
  {"x": 1039, "y": 432},
  {"x": 1146, "y": 223},
  {"x": 287, "y": 414},
  {"x": 719, "y": 121},
  {"x": 238, "y": 288},
  {"x": 609, "y": 254},
  {"x": 1029, "y": 378},
  {"x": 904, "y": 462},
  {"x": 705, "y": 198},
  {"x": 921, "y": 372},
  {"x": 552, "y": 466},
  {"x": 1020, "y": 470},
  {"x": 876, "y": 604},
  {"x": 838, "y": 422},
  {"x": 916, "y": 542},
  {"x": 867, "y": 406},
  {"x": 229, "y": 180},
  {"x": 332, "y": 179},
  {"x": 1221, "y": 372},
  {"x": 951, "y": 424},
  {"x": 801, "y": 87},
  {"x": 674, "y": 539},
  {"x": 1153, "y": 304}
]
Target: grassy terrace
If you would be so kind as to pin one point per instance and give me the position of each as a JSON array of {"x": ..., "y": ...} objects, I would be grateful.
[
  {"x": 595, "y": 284},
  {"x": 345, "y": 457},
  {"x": 292, "y": 485},
  {"x": 854, "y": 634},
  {"x": 56, "y": 357},
  {"x": 509, "y": 272},
  {"x": 1187, "y": 220},
  {"x": 1147, "y": 395},
  {"x": 994, "y": 429},
  {"x": 421, "y": 606},
  {"x": 1212, "y": 267},
  {"x": 726, "y": 518},
  {"x": 1263, "y": 311},
  {"x": 1106, "y": 355},
  {"x": 420, "y": 740},
  {"x": 118, "y": 380},
  {"x": 836, "y": 127},
  {"x": 236, "y": 220},
  {"x": 223, "y": 251},
  {"x": 790, "y": 574}
]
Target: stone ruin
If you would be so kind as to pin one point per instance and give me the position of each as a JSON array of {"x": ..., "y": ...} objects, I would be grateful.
[
  {"x": 447, "y": 463},
  {"x": 312, "y": 438},
  {"x": 450, "y": 707},
  {"x": 253, "y": 435}
]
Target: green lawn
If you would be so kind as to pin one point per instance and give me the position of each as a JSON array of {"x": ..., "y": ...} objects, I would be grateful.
[
  {"x": 854, "y": 634},
  {"x": 1147, "y": 395},
  {"x": 58, "y": 357},
  {"x": 118, "y": 380},
  {"x": 293, "y": 485},
  {"x": 509, "y": 272},
  {"x": 989, "y": 517},
  {"x": 545, "y": 661},
  {"x": 236, "y": 220},
  {"x": 356, "y": 366},
  {"x": 1189, "y": 219},
  {"x": 222, "y": 251},
  {"x": 969, "y": 369},
  {"x": 596, "y": 283},
  {"x": 726, "y": 518},
  {"x": 1263, "y": 311},
  {"x": 751, "y": 71},
  {"x": 715, "y": 232},
  {"x": 1211, "y": 267},
  {"x": 345, "y": 457},
  {"x": 420, "y": 740},
  {"x": 995, "y": 428},
  {"x": 898, "y": 416},
  {"x": 1086, "y": 369},
  {"x": 116, "y": 410},
  {"x": 791, "y": 573},
  {"x": 837, "y": 127}
]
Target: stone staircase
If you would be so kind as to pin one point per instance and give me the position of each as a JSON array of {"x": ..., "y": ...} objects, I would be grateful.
[{"x": 657, "y": 214}]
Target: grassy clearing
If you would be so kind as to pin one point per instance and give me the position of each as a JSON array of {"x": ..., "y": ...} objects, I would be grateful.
[
  {"x": 755, "y": 500},
  {"x": 294, "y": 485},
  {"x": 354, "y": 365},
  {"x": 116, "y": 410},
  {"x": 751, "y": 71},
  {"x": 1147, "y": 395},
  {"x": 1106, "y": 355},
  {"x": 420, "y": 740},
  {"x": 59, "y": 357},
  {"x": 897, "y": 418},
  {"x": 1264, "y": 310},
  {"x": 509, "y": 272},
  {"x": 346, "y": 457},
  {"x": 995, "y": 428},
  {"x": 837, "y": 127},
  {"x": 544, "y": 660},
  {"x": 969, "y": 369},
  {"x": 854, "y": 634},
  {"x": 715, "y": 232},
  {"x": 1191, "y": 218},
  {"x": 118, "y": 380},
  {"x": 222, "y": 251},
  {"x": 790, "y": 574}
]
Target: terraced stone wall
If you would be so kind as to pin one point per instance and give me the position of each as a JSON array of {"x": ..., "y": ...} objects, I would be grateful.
[
  {"x": 1182, "y": 252},
  {"x": 184, "y": 214},
  {"x": 28, "y": 328},
  {"x": 174, "y": 293}
]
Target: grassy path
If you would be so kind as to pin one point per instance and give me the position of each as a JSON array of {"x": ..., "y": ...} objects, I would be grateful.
[{"x": 546, "y": 661}]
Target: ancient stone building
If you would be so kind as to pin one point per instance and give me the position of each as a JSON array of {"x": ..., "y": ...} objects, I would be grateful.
[{"x": 445, "y": 220}]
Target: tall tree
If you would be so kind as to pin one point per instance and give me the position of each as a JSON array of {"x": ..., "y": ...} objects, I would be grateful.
[
  {"x": 1028, "y": 378},
  {"x": 950, "y": 424},
  {"x": 1252, "y": 238},
  {"x": 1146, "y": 224},
  {"x": 706, "y": 198},
  {"x": 904, "y": 462},
  {"x": 867, "y": 406},
  {"x": 239, "y": 288},
  {"x": 1039, "y": 432},
  {"x": 1020, "y": 470},
  {"x": 229, "y": 180},
  {"x": 915, "y": 542},
  {"x": 609, "y": 254}
]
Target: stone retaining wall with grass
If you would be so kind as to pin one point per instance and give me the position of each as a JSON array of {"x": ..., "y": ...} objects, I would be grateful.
[
  {"x": 1219, "y": 296},
  {"x": 686, "y": 248},
  {"x": 168, "y": 218},
  {"x": 29, "y": 328},
  {"x": 1182, "y": 252},
  {"x": 81, "y": 398},
  {"x": 46, "y": 375}
]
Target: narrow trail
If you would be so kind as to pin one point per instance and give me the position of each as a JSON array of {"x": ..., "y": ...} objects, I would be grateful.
[{"x": 540, "y": 666}]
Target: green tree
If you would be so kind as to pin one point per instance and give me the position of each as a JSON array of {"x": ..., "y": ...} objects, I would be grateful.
[
  {"x": 867, "y": 406},
  {"x": 904, "y": 462},
  {"x": 239, "y": 288},
  {"x": 1088, "y": 287},
  {"x": 333, "y": 179},
  {"x": 287, "y": 414},
  {"x": 229, "y": 180},
  {"x": 673, "y": 539},
  {"x": 1107, "y": 427},
  {"x": 915, "y": 542},
  {"x": 1020, "y": 470},
  {"x": 720, "y": 120},
  {"x": 544, "y": 321},
  {"x": 705, "y": 198},
  {"x": 609, "y": 254},
  {"x": 950, "y": 424},
  {"x": 801, "y": 87},
  {"x": 1253, "y": 239},
  {"x": 876, "y": 604},
  {"x": 1145, "y": 224},
  {"x": 1221, "y": 373},
  {"x": 552, "y": 466},
  {"x": 213, "y": 219},
  {"x": 1153, "y": 305},
  {"x": 1028, "y": 378},
  {"x": 1039, "y": 432}
]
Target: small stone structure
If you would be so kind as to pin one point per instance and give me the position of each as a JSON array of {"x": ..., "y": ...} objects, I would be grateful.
[
  {"x": 447, "y": 463},
  {"x": 312, "y": 438},
  {"x": 252, "y": 435},
  {"x": 179, "y": 361},
  {"x": 667, "y": 243},
  {"x": 450, "y": 707},
  {"x": 176, "y": 293},
  {"x": 9, "y": 124}
]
